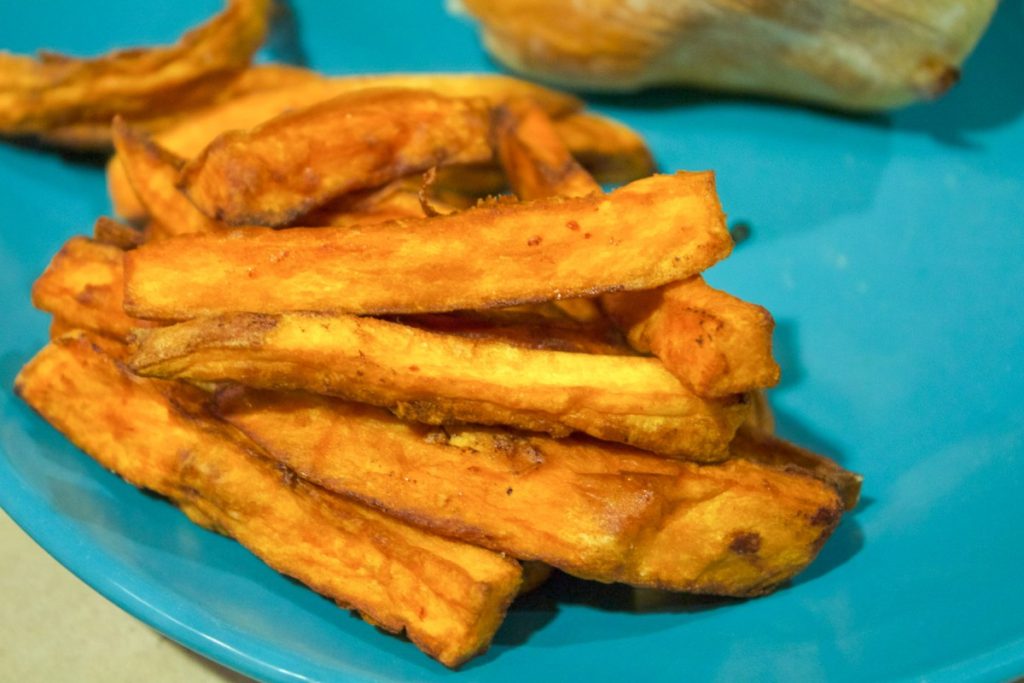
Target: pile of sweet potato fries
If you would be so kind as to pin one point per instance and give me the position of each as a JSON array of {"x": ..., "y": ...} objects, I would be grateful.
[{"x": 322, "y": 326}]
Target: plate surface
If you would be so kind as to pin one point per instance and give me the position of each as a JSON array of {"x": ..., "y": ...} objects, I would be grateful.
[{"x": 888, "y": 249}]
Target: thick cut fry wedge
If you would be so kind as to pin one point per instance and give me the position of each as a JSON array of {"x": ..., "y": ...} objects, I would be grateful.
[
  {"x": 441, "y": 379},
  {"x": 153, "y": 173},
  {"x": 302, "y": 159},
  {"x": 84, "y": 286},
  {"x": 712, "y": 341},
  {"x": 643, "y": 235},
  {"x": 447, "y": 596},
  {"x": 190, "y": 135},
  {"x": 40, "y": 95},
  {"x": 715, "y": 343},
  {"x": 596, "y": 510}
]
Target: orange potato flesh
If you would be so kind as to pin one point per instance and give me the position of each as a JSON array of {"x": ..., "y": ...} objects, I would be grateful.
[
  {"x": 448, "y": 597},
  {"x": 441, "y": 379},
  {"x": 301, "y": 159},
  {"x": 593, "y": 509},
  {"x": 39, "y": 95},
  {"x": 643, "y": 235},
  {"x": 713, "y": 342},
  {"x": 84, "y": 286},
  {"x": 153, "y": 173}
]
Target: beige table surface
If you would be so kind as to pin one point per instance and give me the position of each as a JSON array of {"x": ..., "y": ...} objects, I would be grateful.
[{"x": 54, "y": 628}]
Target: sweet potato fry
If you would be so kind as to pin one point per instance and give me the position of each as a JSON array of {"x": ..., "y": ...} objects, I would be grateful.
[
  {"x": 447, "y": 596},
  {"x": 188, "y": 136},
  {"x": 54, "y": 91},
  {"x": 595, "y": 510},
  {"x": 302, "y": 159},
  {"x": 153, "y": 173},
  {"x": 643, "y": 235},
  {"x": 441, "y": 379},
  {"x": 713, "y": 342},
  {"x": 84, "y": 286}
]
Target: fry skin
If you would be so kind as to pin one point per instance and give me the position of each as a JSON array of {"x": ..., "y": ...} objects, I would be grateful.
[
  {"x": 84, "y": 286},
  {"x": 442, "y": 379},
  {"x": 715, "y": 343},
  {"x": 447, "y": 596},
  {"x": 596, "y": 510},
  {"x": 56, "y": 91},
  {"x": 643, "y": 235},
  {"x": 302, "y": 159}
]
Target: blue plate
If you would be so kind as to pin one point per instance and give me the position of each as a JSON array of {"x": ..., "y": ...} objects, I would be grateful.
[{"x": 889, "y": 250}]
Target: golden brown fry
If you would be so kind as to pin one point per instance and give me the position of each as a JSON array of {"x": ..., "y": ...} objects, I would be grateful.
[
  {"x": 526, "y": 329},
  {"x": 153, "y": 172},
  {"x": 300, "y": 160},
  {"x": 191, "y": 134},
  {"x": 447, "y": 596},
  {"x": 713, "y": 342},
  {"x": 54, "y": 91},
  {"x": 108, "y": 231},
  {"x": 596, "y": 510},
  {"x": 84, "y": 286},
  {"x": 441, "y": 379},
  {"x": 760, "y": 446},
  {"x": 643, "y": 235},
  {"x": 611, "y": 151}
]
